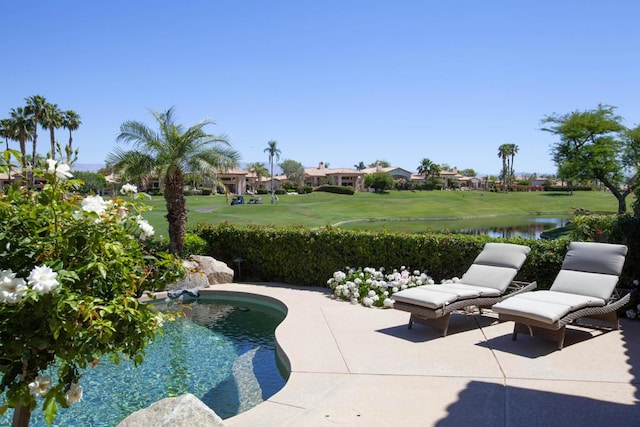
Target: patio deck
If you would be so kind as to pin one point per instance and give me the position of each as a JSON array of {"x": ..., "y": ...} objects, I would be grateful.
[{"x": 352, "y": 365}]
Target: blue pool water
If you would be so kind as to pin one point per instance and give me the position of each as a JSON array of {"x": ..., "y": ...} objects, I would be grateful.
[{"x": 224, "y": 353}]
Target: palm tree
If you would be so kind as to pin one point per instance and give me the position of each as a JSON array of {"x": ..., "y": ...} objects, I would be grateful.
[
  {"x": 6, "y": 131},
  {"x": 259, "y": 170},
  {"x": 503, "y": 152},
  {"x": 513, "y": 150},
  {"x": 360, "y": 166},
  {"x": 52, "y": 119},
  {"x": 169, "y": 152},
  {"x": 35, "y": 107},
  {"x": 22, "y": 130},
  {"x": 424, "y": 166},
  {"x": 71, "y": 122},
  {"x": 274, "y": 152}
]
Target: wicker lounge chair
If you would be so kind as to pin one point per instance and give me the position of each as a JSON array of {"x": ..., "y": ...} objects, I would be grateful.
[
  {"x": 585, "y": 287},
  {"x": 486, "y": 282}
]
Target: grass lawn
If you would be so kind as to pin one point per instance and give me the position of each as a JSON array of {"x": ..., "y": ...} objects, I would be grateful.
[{"x": 321, "y": 209}]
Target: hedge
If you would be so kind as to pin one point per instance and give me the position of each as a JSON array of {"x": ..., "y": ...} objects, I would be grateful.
[{"x": 303, "y": 256}]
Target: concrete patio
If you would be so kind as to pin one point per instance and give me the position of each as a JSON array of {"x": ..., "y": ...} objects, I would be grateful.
[{"x": 352, "y": 365}]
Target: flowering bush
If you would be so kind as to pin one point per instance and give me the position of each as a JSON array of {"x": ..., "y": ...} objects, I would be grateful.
[
  {"x": 71, "y": 270},
  {"x": 373, "y": 287}
]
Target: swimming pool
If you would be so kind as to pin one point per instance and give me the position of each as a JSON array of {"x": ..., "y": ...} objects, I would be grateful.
[{"x": 224, "y": 353}]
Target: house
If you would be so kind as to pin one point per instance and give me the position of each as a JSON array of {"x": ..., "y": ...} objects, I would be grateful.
[{"x": 334, "y": 176}]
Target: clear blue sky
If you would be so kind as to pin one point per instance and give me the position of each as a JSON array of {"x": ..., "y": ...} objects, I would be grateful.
[{"x": 333, "y": 81}]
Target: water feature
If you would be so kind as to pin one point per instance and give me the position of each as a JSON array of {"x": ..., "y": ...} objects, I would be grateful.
[
  {"x": 504, "y": 226},
  {"x": 224, "y": 353}
]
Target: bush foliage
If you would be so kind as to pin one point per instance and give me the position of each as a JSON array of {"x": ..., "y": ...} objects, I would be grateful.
[
  {"x": 336, "y": 189},
  {"x": 309, "y": 257}
]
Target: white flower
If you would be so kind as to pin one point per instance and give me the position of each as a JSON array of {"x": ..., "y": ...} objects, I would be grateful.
[
  {"x": 371, "y": 294},
  {"x": 43, "y": 279},
  {"x": 129, "y": 189},
  {"x": 388, "y": 303},
  {"x": 94, "y": 204},
  {"x": 631, "y": 314},
  {"x": 159, "y": 320},
  {"x": 394, "y": 289},
  {"x": 367, "y": 302},
  {"x": 74, "y": 394},
  {"x": 12, "y": 289},
  {"x": 146, "y": 229},
  {"x": 61, "y": 170},
  {"x": 636, "y": 282},
  {"x": 39, "y": 386}
]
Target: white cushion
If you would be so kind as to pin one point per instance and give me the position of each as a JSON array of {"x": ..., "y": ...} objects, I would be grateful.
[
  {"x": 503, "y": 255},
  {"x": 424, "y": 297},
  {"x": 545, "y": 306},
  {"x": 546, "y": 312},
  {"x": 489, "y": 276},
  {"x": 479, "y": 290},
  {"x": 583, "y": 283}
]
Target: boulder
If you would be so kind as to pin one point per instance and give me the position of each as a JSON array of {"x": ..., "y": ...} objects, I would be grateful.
[
  {"x": 217, "y": 272},
  {"x": 193, "y": 280},
  {"x": 185, "y": 410}
]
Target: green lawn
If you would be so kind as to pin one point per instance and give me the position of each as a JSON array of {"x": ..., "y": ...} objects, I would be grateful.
[{"x": 320, "y": 209}]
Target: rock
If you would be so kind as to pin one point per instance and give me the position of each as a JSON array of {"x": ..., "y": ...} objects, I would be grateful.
[
  {"x": 216, "y": 271},
  {"x": 185, "y": 410}
]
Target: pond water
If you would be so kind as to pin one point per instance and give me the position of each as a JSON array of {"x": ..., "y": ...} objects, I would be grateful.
[
  {"x": 224, "y": 353},
  {"x": 506, "y": 226}
]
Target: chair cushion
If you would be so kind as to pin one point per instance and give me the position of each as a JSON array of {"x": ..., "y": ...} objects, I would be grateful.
[
  {"x": 480, "y": 291},
  {"x": 425, "y": 298},
  {"x": 584, "y": 283},
  {"x": 450, "y": 288},
  {"x": 593, "y": 257},
  {"x": 545, "y": 306},
  {"x": 488, "y": 276},
  {"x": 503, "y": 255}
]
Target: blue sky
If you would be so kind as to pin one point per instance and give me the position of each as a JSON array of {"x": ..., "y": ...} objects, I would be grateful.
[{"x": 333, "y": 81}]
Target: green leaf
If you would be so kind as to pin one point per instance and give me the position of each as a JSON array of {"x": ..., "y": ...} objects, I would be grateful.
[
  {"x": 3, "y": 409},
  {"x": 50, "y": 409}
]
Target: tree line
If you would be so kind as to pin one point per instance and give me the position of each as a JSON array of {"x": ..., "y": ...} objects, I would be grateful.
[{"x": 22, "y": 126}]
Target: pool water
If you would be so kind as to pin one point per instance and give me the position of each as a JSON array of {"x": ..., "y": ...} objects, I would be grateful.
[{"x": 224, "y": 353}]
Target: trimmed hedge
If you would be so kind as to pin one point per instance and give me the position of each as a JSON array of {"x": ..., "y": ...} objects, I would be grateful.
[
  {"x": 303, "y": 256},
  {"x": 336, "y": 189}
]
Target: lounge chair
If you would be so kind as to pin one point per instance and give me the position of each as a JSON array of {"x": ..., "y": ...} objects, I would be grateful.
[
  {"x": 584, "y": 288},
  {"x": 487, "y": 281}
]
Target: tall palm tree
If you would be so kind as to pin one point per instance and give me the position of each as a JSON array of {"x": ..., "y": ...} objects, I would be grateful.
[
  {"x": 52, "y": 119},
  {"x": 35, "y": 107},
  {"x": 503, "y": 152},
  {"x": 274, "y": 152},
  {"x": 360, "y": 166},
  {"x": 513, "y": 150},
  {"x": 169, "y": 152},
  {"x": 71, "y": 122},
  {"x": 6, "y": 131},
  {"x": 22, "y": 130}
]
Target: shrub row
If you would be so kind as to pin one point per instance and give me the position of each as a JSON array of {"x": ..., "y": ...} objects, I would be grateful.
[
  {"x": 303, "y": 256},
  {"x": 337, "y": 189}
]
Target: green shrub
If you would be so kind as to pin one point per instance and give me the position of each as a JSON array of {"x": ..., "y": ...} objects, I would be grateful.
[
  {"x": 193, "y": 245},
  {"x": 336, "y": 189},
  {"x": 262, "y": 191},
  {"x": 281, "y": 191},
  {"x": 207, "y": 191},
  {"x": 310, "y": 257}
]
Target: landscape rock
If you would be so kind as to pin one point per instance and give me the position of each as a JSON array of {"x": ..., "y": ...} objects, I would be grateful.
[
  {"x": 217, "y": 272},
  {"x": 185, "y": 410}
]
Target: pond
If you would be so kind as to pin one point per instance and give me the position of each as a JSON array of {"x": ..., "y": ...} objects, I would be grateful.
[
  {"x": 526, "y": 226},
  {"x": 224, "y": 353}
]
